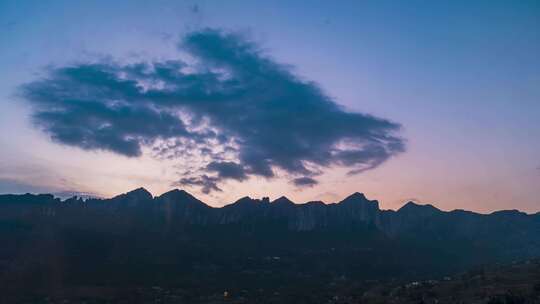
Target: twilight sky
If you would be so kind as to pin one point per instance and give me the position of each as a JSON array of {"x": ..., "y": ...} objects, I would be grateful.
[{"x": 435, "y": 101}]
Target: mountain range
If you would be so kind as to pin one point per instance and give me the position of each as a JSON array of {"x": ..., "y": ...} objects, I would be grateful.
[
  {"x": 180, "y": 207},
  {"x": 174, "y": 238}
]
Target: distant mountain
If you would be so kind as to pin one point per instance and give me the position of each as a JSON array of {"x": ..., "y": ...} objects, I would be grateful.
[
  {"x": 176, "y": 238},
  {"x": 356, "y": 209}
]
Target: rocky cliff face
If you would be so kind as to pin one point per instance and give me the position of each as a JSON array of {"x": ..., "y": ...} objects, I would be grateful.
[
  {"x": 175, "y": 238},
  {"x": 508, "y": 231},
  {"x": 138, "y": 227}
]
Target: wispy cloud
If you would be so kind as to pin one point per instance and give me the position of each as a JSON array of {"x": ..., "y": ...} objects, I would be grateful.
[
  {"x": 207, "y": 183},
  {"x": 304, "y": 182}
]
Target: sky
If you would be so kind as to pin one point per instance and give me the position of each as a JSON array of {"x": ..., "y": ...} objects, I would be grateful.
[{"x": 432, "y": 101}]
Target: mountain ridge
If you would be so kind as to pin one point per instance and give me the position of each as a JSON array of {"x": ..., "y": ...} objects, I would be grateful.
[
  {"x": 353, "y": 196},
  {"x": 176, "y": 227},
  {"x": 354, "y": 210}
]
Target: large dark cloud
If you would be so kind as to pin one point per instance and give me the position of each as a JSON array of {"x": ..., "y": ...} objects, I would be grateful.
[{"x": 236, "y": 110}]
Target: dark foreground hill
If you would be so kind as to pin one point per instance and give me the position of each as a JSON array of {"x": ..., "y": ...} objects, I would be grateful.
[
  {"x": 135, "y": 244},
  {"x": 514, "y": 283}
]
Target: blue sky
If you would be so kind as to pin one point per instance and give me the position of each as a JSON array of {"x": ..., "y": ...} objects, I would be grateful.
[{"x": 462, "y": 78}]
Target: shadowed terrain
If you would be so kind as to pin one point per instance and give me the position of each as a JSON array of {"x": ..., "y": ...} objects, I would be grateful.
[{"x": 135, "y": 245}]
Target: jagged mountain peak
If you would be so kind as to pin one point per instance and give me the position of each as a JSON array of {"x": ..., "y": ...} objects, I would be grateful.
[
  {"x": 180, "y": 196},
  {"x": 138, "y": 194},
  {"x": 246, "y": 200},
  {"x": 283, "y": 200},
  {"x": 357, "y": 195},
  {"x": 74, "y": 200},
  {"x": 357, "y": 198},
  {"x": 177, "y": 193},
  {"x": 418, "y": 209}
]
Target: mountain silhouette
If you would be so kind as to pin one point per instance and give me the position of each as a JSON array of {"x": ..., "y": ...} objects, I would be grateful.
[
  {"x": 176, "y": 238},
  {"x": 355, "y": 209}
]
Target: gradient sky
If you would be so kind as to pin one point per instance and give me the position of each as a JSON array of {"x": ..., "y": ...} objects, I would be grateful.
[{"x": 460, "y": 78}]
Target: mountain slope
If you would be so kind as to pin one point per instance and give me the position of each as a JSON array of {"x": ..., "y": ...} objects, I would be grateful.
[{"x": 135, "y": 237}]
